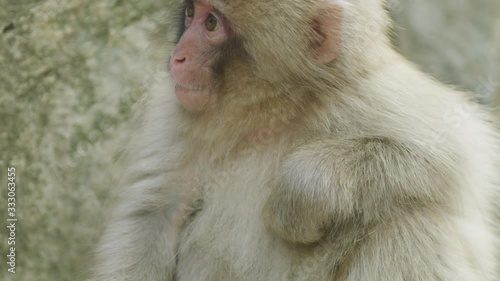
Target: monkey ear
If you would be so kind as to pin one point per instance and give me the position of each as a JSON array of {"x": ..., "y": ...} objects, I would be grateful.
[{"x": 328, "y": 27}]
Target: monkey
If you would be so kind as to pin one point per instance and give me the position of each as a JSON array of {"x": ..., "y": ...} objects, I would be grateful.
[{"x": 288, "y": 140}]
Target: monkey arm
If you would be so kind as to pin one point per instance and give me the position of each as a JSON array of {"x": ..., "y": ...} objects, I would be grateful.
[
  {"x": 140, "y": 243},
  {"x": 332, "y": 181},
  {"x": 137, "y": 249}
]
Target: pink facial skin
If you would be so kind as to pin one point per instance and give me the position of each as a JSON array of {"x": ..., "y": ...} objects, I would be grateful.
[{"x": 190, "y": 63}]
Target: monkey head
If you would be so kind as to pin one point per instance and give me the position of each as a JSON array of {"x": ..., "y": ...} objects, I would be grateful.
[{"x": 228, "y": 47}]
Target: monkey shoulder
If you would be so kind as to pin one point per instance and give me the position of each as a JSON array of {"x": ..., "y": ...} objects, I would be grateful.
[
  {"x": 374, "y": 164},
  {"x": 408, "y": 106}
]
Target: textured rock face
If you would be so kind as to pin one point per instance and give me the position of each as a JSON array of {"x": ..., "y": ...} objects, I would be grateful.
[
  {"x": 71, "y": 71},
  {"x": 450, "y": 39},
  {"x": 496, "y": 48}
]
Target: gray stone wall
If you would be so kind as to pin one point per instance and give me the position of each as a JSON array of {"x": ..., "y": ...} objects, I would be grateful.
[
  {"x": 451, "y": 39},
  {"x": 70, "y": 72}
]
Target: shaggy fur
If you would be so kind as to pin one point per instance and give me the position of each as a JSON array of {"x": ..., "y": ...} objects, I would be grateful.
[{"x": 361, "y": 169}]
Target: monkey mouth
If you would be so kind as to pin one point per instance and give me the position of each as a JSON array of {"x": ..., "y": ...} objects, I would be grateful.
[
  {"x": 185, "y": 88},
  {"x": 193, "y": 99}
]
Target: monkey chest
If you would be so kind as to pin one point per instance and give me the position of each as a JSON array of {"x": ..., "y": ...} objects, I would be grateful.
[{"x": 225, "y": 238}]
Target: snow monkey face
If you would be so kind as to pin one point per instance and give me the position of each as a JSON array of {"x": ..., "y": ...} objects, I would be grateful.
[{"x": 268, "y": 39}]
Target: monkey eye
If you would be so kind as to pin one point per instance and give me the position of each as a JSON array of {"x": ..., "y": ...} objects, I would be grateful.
[
  {"x": 212, "y": 23},
  {"x": 190, "y": 10}
]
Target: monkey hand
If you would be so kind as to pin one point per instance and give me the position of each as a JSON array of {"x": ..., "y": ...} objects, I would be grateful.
[{"x": 300, "y": 206}]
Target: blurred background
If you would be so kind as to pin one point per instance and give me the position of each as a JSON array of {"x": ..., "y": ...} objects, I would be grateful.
[{"x": 71, "y": 71}]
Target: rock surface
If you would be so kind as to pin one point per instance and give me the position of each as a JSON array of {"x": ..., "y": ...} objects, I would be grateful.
[{"x": 451, "y": 39}]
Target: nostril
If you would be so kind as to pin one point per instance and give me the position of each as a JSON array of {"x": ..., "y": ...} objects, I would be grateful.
[{"x": 181, "y": 60}]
